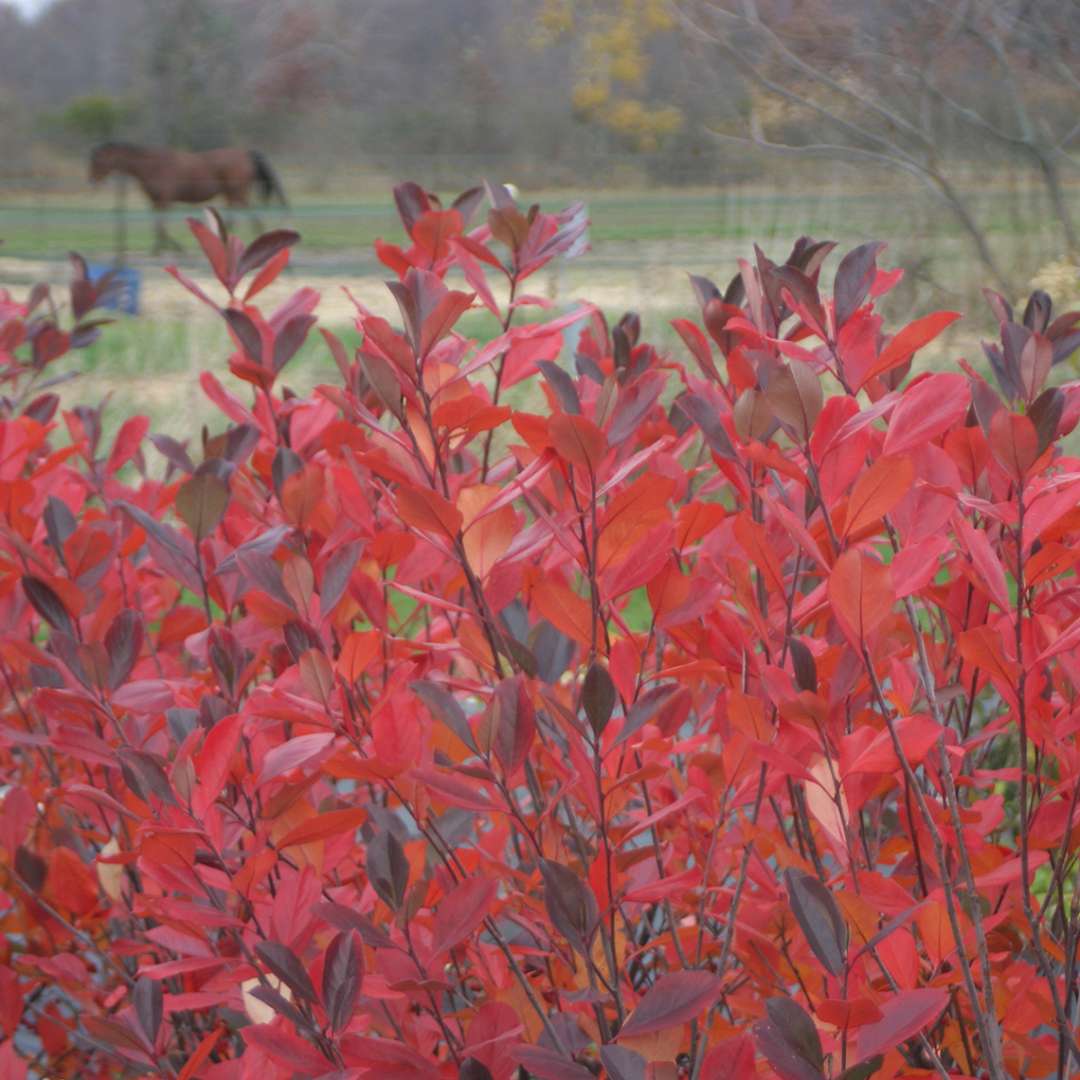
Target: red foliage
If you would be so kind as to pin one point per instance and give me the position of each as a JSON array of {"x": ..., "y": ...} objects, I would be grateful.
[{"x": 682, "y": 722}]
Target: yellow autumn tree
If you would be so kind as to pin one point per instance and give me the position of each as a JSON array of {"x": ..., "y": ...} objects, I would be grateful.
[{"x": 612, "y": 72}]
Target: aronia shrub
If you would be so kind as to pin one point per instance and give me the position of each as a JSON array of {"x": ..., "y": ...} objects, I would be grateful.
[{"x": 708, "y": 715}]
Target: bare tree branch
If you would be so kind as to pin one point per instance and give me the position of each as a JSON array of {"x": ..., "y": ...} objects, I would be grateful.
[{"x": 888, "y": 115}]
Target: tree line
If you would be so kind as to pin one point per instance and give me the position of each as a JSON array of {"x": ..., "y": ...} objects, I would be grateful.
[{"x": 567, "y": 91}]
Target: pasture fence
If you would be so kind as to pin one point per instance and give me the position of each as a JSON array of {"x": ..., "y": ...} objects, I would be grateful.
[{"x": 644, "y": 233}]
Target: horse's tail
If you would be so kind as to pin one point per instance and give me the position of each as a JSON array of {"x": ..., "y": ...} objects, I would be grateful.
[{"x": 267, "y": 179}]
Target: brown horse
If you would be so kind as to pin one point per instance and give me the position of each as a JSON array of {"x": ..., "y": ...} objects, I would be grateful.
[{"x": 168, "y": 176}]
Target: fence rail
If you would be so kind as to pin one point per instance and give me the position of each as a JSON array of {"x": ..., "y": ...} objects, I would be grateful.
[{"x": 635, "y": 224}]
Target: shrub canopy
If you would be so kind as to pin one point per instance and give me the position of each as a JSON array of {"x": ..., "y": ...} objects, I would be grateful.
[{"x": 546, "y": 706}]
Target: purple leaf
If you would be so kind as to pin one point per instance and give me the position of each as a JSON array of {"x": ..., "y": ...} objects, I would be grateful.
[
  {"x": 789, "y": 1040},
  {"x": 549, "y": 1064},
  {"x": 339, "y": 568},
  {"x": 148, "y": 1007},
  {"x": 282, "y": 961},
  {"x": 263, "y": 248},
  {"x": 443, "y": 707},
  {"x": 673, "y": 999},
  {"x": 246, "y": 333},
  {"x": 47, "y": 604},
  {"x": 123, "y": 643},
  {"x": 289, "y": 339},
  {"x": 341, "y": 980},
  {"x": 854, "y": 277},
  {"x": 819, "y": 916},
  {"x": 571, "y": 905},
  {"x": 598, "y": 698},
  {"x": 621, "y": 1063}
]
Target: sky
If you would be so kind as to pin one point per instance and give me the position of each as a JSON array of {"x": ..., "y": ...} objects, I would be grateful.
[{"x": 30, "y": 7}]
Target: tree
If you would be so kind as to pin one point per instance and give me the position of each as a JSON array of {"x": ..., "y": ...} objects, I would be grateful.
[
  {"x": 896, "y": 85},
  {"x": 192, "y": 65},
  {"x": 95, "y": 117},
  {"x": 916, "y": 86},
  {"x": 615, "y": 71}
]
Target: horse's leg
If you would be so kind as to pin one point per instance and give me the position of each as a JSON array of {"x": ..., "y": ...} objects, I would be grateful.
[
  {"x": 159, "y": 234},
  {"x": 162, "y": 239}
]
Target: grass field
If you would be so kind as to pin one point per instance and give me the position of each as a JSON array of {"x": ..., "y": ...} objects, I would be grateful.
[
  {"x": 35, "y": 225},
  {"x": 643, "y": 245}
]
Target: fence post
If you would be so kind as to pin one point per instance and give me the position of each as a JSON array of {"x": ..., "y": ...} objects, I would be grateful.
[{"x": 120, "y": 221}]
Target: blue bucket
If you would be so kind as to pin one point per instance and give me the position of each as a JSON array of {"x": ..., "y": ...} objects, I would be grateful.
[{"x": 122, "y": 293}]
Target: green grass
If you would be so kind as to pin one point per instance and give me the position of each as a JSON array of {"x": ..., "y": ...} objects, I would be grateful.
[{"x": 49, "y": 226}]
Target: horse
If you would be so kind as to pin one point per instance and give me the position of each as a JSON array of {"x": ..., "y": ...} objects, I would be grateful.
[{"x": 167, "y": 176}]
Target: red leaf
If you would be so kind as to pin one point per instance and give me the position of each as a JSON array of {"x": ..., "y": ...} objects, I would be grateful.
[
  {"x": 441, "y": 321},
  {"x": 429, "y": 511},
  {"x": 188, "y": 965},
  {"x": 818, "y": 914},
  {"x": 1068, "y": 639},
  {"x": 213, "y": 760},
  {"x": 578, "y": 440},
  {"x": 201, "y": 1054},
  {"x": 267, "y": 275},
  {"x": 269, "y": 246},
  {"x": 916, "y": 564},
  {"x": 848, "y": 1014},
  {"x": 474, "y": 275},
  {"x": 460, "y": 912},
  {"x": 665, "y": 812},
  {"x": 391, "y": 256},
  {"x": 13, "y": 1067},
  {"x": 902, "y": 1016},
  {"x": 246, "y": 333},
  {"x": 908, "y": 341},
  {"x": 1013, "y": 442},
  {"x": 982, "y": 648},
  {"x": 564, "y": 609},
  {"x": 294, "y": 753},
  {"x": 698, "y": 345},
  {"x": 731, "y": 1059},
  {"x": 990, "y": 574},
  {"x": 928, "y": 409},
  {"x": 230, "y": 405},
  {"x": 213, "y": 248},
  {"x": 323, "y": 826},
  {"x": 861, "y": 594},
  {"x": 127, "y": 441},
  {"x": 284, "y": 1048},
  {"x": 877, "y": 491},
  {"x": 453, "y": 790},
  {"x": 47, "y": 603},
  {"x": 201, "y": 502},
  {"x": 391, "y": 345},
  {"x": 145, "y": 696},
  {"x": 434, "y": 230},
  {"x": 917, "y": 735},
  {"x": 191, "y": 287},
  {"x": 667, "y": 886}
]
